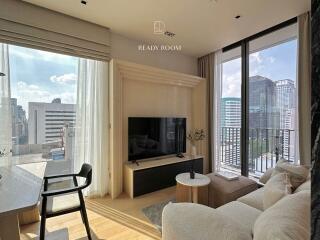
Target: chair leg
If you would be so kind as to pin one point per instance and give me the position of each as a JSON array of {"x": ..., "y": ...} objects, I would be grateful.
[
  {"x": 84, "y": 215},
  {"x": 43, "y": 219},
  {"x": 86, "y": 222},
  {"x": 42, "y": 227}
]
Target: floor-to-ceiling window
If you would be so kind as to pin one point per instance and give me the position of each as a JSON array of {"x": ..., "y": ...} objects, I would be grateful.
[
  {"x": 257, "y": 106},
  {"x": 43, "y": 107},
  {"x": 272, "y": 99}
]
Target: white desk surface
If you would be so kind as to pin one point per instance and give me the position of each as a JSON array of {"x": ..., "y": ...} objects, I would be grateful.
[{"x": 20, "y": 187}]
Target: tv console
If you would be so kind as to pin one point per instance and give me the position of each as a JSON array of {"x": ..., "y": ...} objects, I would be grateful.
[{"x": 153, "y": 175}]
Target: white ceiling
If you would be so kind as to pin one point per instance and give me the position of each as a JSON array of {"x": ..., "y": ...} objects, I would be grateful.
[{"x": 201, "y": 26}]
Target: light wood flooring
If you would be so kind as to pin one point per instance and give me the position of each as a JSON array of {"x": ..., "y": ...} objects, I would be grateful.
[{"x": 116, "y": 219}]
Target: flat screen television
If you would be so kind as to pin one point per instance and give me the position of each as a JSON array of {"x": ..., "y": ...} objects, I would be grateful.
[{"x": 151, "y": 137}]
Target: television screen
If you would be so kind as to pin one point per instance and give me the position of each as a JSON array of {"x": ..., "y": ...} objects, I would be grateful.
[{"x": 154, "y": 137}]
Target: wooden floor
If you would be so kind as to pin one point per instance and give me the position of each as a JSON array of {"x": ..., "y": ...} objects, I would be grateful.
[{"x": 117, "y": 219}]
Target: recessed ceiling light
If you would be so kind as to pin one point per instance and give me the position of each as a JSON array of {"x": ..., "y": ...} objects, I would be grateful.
[
  {"x": 237, "y": 17},
  {"x": 84, "y": 2}
]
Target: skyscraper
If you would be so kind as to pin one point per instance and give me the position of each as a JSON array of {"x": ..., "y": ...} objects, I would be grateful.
[
  {"x": 263, "y": 112},
  {"x": 231, "y": 112},
  {"x": 286, "y": 104},
  {"x": 230, "y": 132},
  {"x": 285, "y": 95},
  {"x": 19, "y": 123}
]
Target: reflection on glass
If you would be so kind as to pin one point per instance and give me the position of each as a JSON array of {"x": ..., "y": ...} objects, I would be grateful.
[{"x": 272, "y": 105}]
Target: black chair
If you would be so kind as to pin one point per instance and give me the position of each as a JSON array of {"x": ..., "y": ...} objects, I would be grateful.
[{"x": 85, "y": 172}]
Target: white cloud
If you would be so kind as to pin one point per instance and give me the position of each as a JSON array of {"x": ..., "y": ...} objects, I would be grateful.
[
  {"x": 26, "y": 93},
  {"x": 271, "y": 59},
  {"x": 257, "y": 64},
  {"x": 231, "y": 85},
  {"x": 255, "y": 58},
  {"x": 64, "y": 79}
]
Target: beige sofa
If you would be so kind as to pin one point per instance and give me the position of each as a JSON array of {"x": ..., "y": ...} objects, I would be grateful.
[{"x": 244, "y": 219}]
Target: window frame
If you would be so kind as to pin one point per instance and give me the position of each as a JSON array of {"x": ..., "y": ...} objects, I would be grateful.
[{"x": 244, "y": 45}]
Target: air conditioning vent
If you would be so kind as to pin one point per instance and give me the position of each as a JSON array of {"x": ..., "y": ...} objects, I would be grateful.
[{"x": 169, "y": 34}]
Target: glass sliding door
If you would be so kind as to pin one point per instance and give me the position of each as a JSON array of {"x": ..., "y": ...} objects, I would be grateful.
[
  {"x": 255, "y": 108},
  {"x": 229, "y": 122},
  {"x": 272, "y": 99}
]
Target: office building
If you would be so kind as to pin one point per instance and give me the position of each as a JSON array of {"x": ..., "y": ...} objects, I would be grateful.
[{"x": 46, "y": 120}]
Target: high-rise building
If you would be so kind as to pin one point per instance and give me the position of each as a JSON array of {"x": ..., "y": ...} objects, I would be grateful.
[
  {"x": 263, "y": 112},
  {"x": 285, "y": 95},
  {"x": 46, "y": 120},
  {"x": 19, "y": 123},
  {"x": 286, "y": 102},
  {"x": 230, "y": 130},
  {"x": 230, "y": 112}
]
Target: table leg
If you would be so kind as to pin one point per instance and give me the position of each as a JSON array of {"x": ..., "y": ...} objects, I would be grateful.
[
  {"x": 200, "y": 195},
  {"x": 194, "y": 191},
  {"x": 183, "y": 193},
  {"x": 9, "y": 227}
]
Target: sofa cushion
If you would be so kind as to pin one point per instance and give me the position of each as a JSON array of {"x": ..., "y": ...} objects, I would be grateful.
[
  {"x": 298, "y": 174},
  {"x": 276, "y": 188},
  {"x": 190, "y": 221},
  {"x": 304, "y": 186},
  {"x": 288, "y": 219},
  {"x": 241, "y": 213},
  {"x": 254, "y": 199}
]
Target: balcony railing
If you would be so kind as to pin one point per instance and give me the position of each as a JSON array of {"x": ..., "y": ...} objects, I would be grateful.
[{"x": 266, "y": 147}]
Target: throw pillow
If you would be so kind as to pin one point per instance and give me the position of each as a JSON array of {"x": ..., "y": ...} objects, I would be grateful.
[
  {"x": 297, "y": 173},
  {"x": 288, "y": 219},
  {"x": 276, "y": 188},
  {"x": 266, "y": 176}
]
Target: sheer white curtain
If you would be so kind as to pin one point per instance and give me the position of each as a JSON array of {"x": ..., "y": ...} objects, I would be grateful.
[
  {"x": 216, "y": 105},
  {"x": 5, "y": 109},
  {"x": 91, "y": 134},
  {"x": 303, "y": 138}
]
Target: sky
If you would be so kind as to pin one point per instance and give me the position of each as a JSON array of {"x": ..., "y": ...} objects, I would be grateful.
[
  {"x": 276, "y": 63},
  {"x": 39, "y": 76}
]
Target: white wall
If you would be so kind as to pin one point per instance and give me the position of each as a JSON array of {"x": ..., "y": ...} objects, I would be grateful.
[{"x": 126, "y": 49}]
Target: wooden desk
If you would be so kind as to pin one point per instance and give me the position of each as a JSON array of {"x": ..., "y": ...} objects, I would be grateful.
[{"x": 20, "y": 189}]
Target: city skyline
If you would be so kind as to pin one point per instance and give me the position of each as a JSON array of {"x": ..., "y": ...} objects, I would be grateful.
[
  {"x": 40, "y": 76},
  {"x": 269, "y": 63}
]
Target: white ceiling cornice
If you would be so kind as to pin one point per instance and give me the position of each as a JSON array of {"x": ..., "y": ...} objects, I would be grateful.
[{"x": 138, "y": 72}]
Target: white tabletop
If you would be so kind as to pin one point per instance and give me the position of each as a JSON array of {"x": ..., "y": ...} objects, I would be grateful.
[
  {"x": 20, "y": 187},
  {"x": 199, "y": 180}
]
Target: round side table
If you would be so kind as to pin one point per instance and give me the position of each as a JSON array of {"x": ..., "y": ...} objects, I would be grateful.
[{"x": 192, "y": 190}]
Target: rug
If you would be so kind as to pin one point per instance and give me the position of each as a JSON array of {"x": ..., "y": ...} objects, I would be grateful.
[{"x": 154, "y": 213}]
